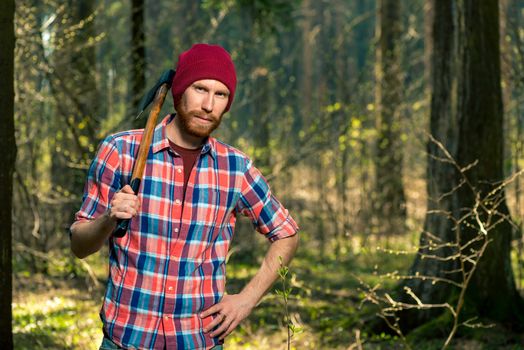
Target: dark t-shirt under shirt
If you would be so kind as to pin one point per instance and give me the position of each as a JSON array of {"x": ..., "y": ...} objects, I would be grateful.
[{"x": 189, "y": 158}]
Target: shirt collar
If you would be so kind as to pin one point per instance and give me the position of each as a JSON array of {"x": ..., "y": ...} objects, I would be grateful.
[{"x": 161, "y": 142}]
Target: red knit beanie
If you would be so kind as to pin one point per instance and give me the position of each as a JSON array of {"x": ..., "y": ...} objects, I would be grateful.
[{"x": 204, "y": 61}]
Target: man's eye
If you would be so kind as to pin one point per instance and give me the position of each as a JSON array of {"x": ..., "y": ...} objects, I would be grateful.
[
  {"x": 221, "y": 94},
  {"x": 199, "y": 88}
]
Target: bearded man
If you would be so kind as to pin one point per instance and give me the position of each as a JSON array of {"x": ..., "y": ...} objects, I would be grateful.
[{"x": 166, "y": 284}]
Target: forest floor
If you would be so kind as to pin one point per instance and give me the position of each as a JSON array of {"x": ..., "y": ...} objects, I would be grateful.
[{"x": 56, "y": 312}]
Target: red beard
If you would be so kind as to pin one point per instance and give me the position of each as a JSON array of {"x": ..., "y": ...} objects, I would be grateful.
[{"x": 192, "y": 125}]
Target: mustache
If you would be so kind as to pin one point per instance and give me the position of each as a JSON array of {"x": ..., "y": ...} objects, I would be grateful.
[{"x": 200, "y": 114}]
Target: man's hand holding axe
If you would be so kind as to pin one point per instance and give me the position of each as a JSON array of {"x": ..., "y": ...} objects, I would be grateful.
[{"x": 90, "y": 236}]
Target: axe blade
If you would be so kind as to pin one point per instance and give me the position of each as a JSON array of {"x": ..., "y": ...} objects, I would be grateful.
[{"x": 165, "y": 78}]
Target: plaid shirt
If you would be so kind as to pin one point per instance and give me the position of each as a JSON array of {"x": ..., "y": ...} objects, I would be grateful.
[{"x": 171, "y": 264}]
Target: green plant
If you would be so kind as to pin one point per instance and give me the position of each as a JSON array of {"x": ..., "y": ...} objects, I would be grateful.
[{"x": 285, "y": 292}]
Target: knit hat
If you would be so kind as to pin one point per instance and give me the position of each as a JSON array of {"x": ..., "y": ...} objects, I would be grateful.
[{"x": 203, "y": 61}]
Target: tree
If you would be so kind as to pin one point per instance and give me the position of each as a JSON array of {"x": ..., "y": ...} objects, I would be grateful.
[
  {"x": 138, "y": 59},
  {"x": 390, "y": 201},
  {"x": 7, "y": 159},
  {"x": 467, "y": 119}
]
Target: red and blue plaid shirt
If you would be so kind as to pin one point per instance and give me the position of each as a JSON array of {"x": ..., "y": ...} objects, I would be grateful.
[{"x": 172, "y": 263}]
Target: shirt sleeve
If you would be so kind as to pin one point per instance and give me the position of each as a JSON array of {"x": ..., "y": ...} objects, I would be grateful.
[
  {"x": 267, "y": 214},
  {"x": 103, "y": 181}
]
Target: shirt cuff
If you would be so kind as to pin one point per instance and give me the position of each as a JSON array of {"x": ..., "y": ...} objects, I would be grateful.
[{"x": 288, "y": 228}]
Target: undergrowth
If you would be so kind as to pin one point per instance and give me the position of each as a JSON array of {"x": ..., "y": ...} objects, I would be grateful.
[{"x": 56, "y": 311}]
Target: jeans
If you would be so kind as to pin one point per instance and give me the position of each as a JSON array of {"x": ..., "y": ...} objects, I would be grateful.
[{"x": 107, "y": 344}]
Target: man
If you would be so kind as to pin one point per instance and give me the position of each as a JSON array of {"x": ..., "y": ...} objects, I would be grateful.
[{"x": 167, "y": 274}]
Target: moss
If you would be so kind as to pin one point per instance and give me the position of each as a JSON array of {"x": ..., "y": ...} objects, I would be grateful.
[
  {"x": 491, "y": 335},
  {"x": 494, "y": 337},
  {"x": 437, "y": 328}
]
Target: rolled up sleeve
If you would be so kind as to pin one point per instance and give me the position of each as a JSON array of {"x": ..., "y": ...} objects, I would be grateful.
[
  {"x": 267, "y": 214},
  {"x": 103, "y": 181}
]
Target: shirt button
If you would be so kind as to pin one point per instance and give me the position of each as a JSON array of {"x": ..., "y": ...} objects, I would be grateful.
[
  {"x": 170, "y": 288},
  {"x": 173, "y": 257},
  {"x": 177, "y": 201},
  {"x": 166, "y": 317},
  {"x": 176, "y": 229},
  {"x": 179, "y": 170}
]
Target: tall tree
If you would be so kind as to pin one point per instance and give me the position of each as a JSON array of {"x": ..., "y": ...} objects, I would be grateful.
[
  {"x": 138, "y": 59},
  {"x": 7, "y": 159},
  {"x": 467, "y": 119},
  {"x": 390, "y": 201}
]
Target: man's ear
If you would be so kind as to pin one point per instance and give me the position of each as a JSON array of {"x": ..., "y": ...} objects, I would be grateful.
[{"x": 177, "y": 105}]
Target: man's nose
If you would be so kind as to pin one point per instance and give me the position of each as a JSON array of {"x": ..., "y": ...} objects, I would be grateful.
[{"x": 207, "y": 103}]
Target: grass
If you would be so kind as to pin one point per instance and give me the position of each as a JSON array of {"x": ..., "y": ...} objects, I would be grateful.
[
  {"x": 54, "y": 315},
  {"x": 56, "y": 312}
]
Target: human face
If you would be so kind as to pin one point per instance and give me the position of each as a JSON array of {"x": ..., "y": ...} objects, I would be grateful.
[{"x": 201, "y": 107}]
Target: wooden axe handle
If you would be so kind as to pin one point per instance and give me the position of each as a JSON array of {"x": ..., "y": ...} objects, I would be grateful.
[{"x": 143, "y": 150}]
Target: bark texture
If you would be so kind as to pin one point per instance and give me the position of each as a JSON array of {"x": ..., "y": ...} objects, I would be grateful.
[
  {"x": 7, "y": 161},
  {"x": 467, "y": 118}
]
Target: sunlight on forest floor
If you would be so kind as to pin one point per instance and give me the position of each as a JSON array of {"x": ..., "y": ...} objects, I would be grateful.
[{"x": 52, "y": 312}]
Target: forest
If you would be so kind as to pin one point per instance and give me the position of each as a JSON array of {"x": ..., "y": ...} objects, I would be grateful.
[{"x": 392, "y": 131}]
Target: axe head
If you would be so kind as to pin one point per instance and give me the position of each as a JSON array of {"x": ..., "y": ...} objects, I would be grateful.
[{"x": 165, "y": 78}]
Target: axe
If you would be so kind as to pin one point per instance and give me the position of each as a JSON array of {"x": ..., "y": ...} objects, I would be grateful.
[{"x": 157, "y": 94}]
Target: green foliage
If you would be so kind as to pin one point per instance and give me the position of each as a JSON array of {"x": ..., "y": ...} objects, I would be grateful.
[
  {"x": 37, "y": 329},
  {"x": 438, "y": 328},
  {"x": 58, "y": 313},
  {"x": 285, "y": 293},
  {"x": 305, "y": 111},
  {"x": 270, "y": 15},
  {"x": 54, "y": 315}
]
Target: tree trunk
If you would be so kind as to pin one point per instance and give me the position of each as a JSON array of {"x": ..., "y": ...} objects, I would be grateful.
[
  {"x": 429, "y": 15},
  {"x": 307, "y": 74},
  {"x": 481, "y": 136},
  {"x": 390, "y": 201},
  {"x": 262, "y": 102},
  {"x": 467, "y": 118},
  {"x": 7, "y": 159},
  {"x": 138, "y": 61}
]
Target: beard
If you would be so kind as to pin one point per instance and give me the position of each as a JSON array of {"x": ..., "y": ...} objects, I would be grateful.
[{"x": 190, "y": 123}]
